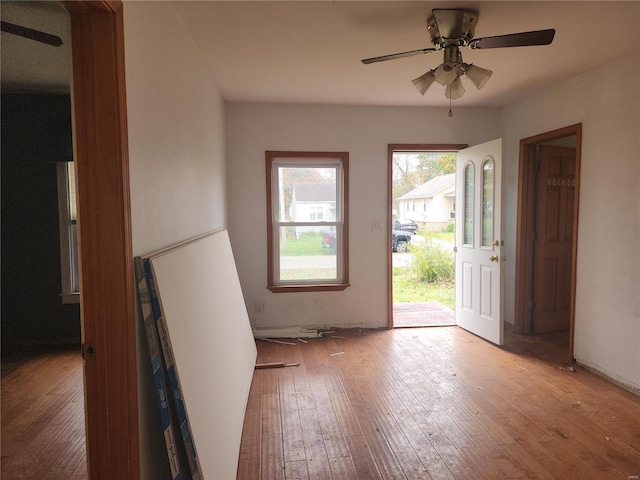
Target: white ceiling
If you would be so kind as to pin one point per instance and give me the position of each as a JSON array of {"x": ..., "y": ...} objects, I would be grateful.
[{"x": 310, "y": 52}]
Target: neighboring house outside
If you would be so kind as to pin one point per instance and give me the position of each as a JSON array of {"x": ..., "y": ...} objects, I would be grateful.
[
  {"x": 313, "y": 202},
  {"x": 432, "y": 204}
]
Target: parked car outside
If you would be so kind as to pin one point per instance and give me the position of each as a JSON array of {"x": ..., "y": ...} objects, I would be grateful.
[
  {"x": 407, "y": 224},
  {"x": 329, "y": 240},
  {"x": 400, "y": 240}
]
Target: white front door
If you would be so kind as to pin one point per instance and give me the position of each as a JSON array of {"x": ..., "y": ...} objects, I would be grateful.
[{"x": 478, "y": 241}]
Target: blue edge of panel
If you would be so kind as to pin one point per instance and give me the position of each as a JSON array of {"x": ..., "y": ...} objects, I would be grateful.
[{"x": 181, "y": 450}]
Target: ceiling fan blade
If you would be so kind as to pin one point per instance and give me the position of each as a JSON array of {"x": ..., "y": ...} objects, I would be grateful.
[
  {"x": 31, "y": 34},
  {"x": 393, "y": 56},
  {"x": 524, "y": 39}
]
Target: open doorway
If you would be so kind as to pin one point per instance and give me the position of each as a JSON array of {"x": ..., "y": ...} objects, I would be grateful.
[
  {"x": 546, "y": 245},
  {"x": 421, "y": 193},
  {"x": 41, "y": 331}
]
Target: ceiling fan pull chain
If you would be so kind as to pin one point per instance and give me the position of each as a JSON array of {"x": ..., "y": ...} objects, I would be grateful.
[{"x": 450, "y": 112}]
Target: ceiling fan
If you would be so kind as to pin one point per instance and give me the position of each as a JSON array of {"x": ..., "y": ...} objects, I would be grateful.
[
  {"x": 451, "y": 29},
  {"x": 31, "y": 34}
]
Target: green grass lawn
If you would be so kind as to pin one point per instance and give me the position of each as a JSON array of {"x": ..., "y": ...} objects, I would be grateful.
[
  {"x": 308, "y": 244},
  {"x": 447, "y": 236},
  {"x": 407, "y": 289}
]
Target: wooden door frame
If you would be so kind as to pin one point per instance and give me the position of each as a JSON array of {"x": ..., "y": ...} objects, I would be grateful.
[
  {"x": 106, "y": 262},
  {"x": 404, "y": 147},
  {"x": 524, "y": 228}
]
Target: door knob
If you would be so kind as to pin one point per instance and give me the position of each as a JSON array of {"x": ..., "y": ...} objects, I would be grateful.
[{"x": 494, "y": 258}]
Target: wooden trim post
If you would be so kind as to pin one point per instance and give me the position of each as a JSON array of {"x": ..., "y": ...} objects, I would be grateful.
[{"x": 106, "y": 261}]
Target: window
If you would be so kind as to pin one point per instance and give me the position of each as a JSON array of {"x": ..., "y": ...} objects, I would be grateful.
[
  {"x": 487, "y": 203},
  {"x": 307, "y": 221},
  {"x": 468, "y": 205},
  {"x": 67, "y": 216},
  {"x": 316, "y": 213}
]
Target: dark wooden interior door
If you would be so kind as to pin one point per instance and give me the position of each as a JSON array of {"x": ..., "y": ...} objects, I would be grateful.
[{"x": 556, "y": 182}]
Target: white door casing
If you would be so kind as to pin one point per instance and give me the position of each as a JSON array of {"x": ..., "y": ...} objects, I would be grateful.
[{"x": 478, "y": 241}]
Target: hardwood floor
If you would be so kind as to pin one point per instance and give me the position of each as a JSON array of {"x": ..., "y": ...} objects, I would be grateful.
[
  {"x": 434, "y": 403},
  {"x": 415, "y": 403},
  {"x": 43, "y": 415}
]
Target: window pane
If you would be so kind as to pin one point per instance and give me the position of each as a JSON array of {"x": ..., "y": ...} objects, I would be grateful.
[
  {"x": 75, "y": 276},
  {"x": 306, "y": 194},
  {"x": 487, "y": 203},
  {"x": 468, "y": 205},
  {"x": 307, "y": 253},
  {"x": 71, "y": 181}
]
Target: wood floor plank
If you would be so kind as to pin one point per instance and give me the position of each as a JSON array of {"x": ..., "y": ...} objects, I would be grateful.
[
  {"x": 456, "y": 463},
  {"x": 251, "y": 438},
  {"x": 523, "y": 458},
  {"x": 314, "y": 445},
  {"x": 381, "y": 452},
  {"x": 292, "y": 441},
  {"x": 342, "y": 468},
  {"x": 271, "y": 417},
  {"x": 272, "y": 458},
  {"x": 412, "y": 467},
  {"x": 248, "y": 468},
  {"x": 296, "y": 470},
  {"x": 71, "y": 456},
  {"x": 80, "y": 472},
  {"x": 346, "y": 419},
  {"x": 363, "y": 461},
  {"x": 434, "y": 464},
  {"x": 483, "y": 467}
]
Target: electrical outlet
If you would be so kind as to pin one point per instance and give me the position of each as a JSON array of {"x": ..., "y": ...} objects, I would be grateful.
[
  {"x": 376, "y": 225},
  {"x": 258, "y": 306}
]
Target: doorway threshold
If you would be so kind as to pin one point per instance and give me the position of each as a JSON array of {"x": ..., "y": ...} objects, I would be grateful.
[{"x": 422, "y": 314}]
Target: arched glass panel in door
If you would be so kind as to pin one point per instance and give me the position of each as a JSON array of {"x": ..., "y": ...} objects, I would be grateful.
[
  {"x": 468, "y": 204},
  {"x": 487, "y": 202}
]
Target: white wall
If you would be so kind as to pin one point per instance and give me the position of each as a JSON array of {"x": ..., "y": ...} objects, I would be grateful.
[
  {"x": 177, "y": 165},
  {"x": 176, "y": 122},
  {"x": 364, "y": 132},
  {"x": 607, "y": 103}
]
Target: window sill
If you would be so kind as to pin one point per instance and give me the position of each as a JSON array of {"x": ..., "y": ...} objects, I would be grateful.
[
  {"x": 69, "y": 298},
  {"x": 330, "y": 287}
]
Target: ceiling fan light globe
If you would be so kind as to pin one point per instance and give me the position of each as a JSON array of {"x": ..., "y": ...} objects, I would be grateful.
[
  {"x": 479, "y": 76},
  {"x": 455, "y": 89},
  {"x": 444, "y": 76},
  {"x": 423, "y": 82}
]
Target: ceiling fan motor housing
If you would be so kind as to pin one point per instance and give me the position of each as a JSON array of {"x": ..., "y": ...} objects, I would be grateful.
[{"x": 452, "y": 27}]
